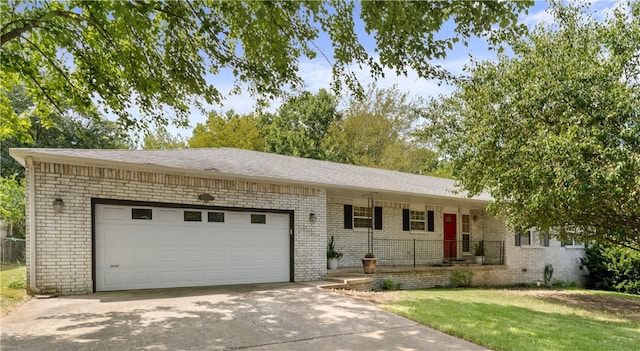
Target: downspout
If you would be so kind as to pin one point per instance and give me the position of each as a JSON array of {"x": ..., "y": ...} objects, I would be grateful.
[{"x": 32, "y": 224}]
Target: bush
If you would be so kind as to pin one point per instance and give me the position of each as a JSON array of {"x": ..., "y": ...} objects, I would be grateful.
[
  {"x": 613, "y": 268},
  {"x": 388, "y": 284},
  {"x": 461, "y": 279},
  {"x": 17, "y": 282}
]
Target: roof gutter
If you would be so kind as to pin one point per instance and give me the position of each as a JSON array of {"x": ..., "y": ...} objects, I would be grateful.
[{"x": 32, "y": 223}]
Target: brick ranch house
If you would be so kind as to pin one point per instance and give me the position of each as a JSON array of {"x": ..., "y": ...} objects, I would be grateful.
[{"x": 100, "y": 220}]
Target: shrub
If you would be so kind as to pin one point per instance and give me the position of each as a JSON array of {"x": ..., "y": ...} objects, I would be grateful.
[
  {"x": 613, "y": 268},
  {"x": 388, "y": 284},
  {"x": 461, "y": 279},
  {"x": 17, "y": 282},
  {"x": 331, "y": 250}
]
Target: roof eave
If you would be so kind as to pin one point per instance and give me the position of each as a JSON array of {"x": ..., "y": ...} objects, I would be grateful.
[{"x": 21, "y": 154}]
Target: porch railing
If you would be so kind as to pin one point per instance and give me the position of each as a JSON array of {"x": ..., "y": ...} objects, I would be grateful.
[{"x": 433, "y": 252}]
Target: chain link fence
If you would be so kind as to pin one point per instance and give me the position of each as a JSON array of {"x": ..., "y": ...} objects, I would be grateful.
[{"x": 13, "y": 250}]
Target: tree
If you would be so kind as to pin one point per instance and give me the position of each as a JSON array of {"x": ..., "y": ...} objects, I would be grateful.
[
  {"x": 376, "y": 132},
  {"x": 161, "y": 139},
  {"x": 612, "y": 267},
  {"x": 301, "y": 125},
  {"x": 12, "y": 206},
  {"x": 86, "y": 55},
  {"x": 56, "y": 131},
  {"x": 553, "y": 133},
  {"x": 228, "y": 130}
]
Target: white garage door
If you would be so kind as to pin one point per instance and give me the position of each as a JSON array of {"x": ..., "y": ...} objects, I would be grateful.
[{"x": 139, "y": 247}]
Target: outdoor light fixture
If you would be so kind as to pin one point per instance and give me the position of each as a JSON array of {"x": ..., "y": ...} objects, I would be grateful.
[
  {"x": 206, "y": 197},
  {"x": 312, "y": 217},
  {"x": 58, "y": 204}
]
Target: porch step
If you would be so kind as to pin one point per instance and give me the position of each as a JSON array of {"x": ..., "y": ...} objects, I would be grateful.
[
  {"x": 348, "y": 281},
  {"x": 466, "y": 261}
]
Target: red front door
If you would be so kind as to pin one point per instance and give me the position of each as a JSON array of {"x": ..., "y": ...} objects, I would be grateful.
[{"x": 450, "y": 248}]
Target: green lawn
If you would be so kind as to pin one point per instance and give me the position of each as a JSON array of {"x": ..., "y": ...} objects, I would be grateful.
[
  {"x": 12, "y": 276},
  {"x": 527, "y": 319}
]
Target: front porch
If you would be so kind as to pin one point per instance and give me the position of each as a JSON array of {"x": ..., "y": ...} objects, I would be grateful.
[
  {"x": 418, "y": 277},
  {"x": 421, "y": 263},
  {"x": 421, "y": 252}
]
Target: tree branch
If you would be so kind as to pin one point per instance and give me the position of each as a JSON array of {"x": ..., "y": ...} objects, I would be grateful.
[
  {"x": 53, "y": 64},
  {"x": 29, "y": 24},
  {"x": 46, "y": 94},
  {"x": 7, "y": 37}
]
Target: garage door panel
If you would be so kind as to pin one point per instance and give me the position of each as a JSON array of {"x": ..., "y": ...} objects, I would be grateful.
[
  {"x": 165, "y": 215},
  {"x": 143, "y": 277},
  {"x": 112, "y": 213},
  {"x": 167, "y": 256},
  {"x": 167, "y": 251},
  {"x": 115, "y": 278},
  {"x": 169, "y": 276},
  {"x": 194, "y": 255},
  {"x": 142, "y": 256}
]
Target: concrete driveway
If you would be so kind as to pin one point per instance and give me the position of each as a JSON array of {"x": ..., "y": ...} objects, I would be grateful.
[{"x": 251, "y": 317}]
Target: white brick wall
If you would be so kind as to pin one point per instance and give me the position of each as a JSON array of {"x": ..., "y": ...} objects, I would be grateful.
[
  {"x": 64, "y": 240},
  {"x": 524, "y": 264}
]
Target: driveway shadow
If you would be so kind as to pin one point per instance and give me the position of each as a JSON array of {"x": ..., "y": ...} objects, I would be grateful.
[{"x": 218, "y": 318}]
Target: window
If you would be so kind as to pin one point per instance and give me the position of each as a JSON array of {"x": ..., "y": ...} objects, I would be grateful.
[
  {"x": 418, "y": 221},
  {"x": 523, "y": 239},
  {"x": 544, "y": 240},
  {"x": 258, "y": 218},
  {"x": 192, "y": 216},
  {"x": 466, "y": 243},
  {"x": 568, "y": 236},
  {"x": 466, "y": 225},
  {"x": 466, "y": 234},
  {"x": 361, "y": 217},
  {"x": 142, "y": 213},
  {"x": 415, "y": 220},
  {"x": 570, "y": 242},
  {"x": 217, "y": 217}
]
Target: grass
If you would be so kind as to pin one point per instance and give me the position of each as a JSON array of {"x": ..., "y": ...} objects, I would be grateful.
[
  {"x": 520, "y": 320},
  {"x": 12, "y": 282}
]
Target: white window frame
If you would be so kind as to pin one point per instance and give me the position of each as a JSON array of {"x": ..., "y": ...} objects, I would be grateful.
[
  {"x": 522, "y": 244},
  {"x": 573, "y": 244},
  {"x": 413, "y": 220},
  {"x": 464, "y": 232},
  {"x": 367, "y": 210}
]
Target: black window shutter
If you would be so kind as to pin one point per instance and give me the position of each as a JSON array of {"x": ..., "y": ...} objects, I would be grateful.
[
  {"x": 348, "y": 216},
  {"x": 377, "y": 215},
  {"x": 518, "y": 239},
  {"x": 406, "y": 223},
  {"x": 546, "y": 240},
  {"x": 430, "y": 222}
]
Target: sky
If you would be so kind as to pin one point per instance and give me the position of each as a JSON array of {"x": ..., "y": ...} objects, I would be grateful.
[{"x": 317, "y": 73}]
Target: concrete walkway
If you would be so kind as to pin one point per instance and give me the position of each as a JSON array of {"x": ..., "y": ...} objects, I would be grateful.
[{"x": 284, "y": 316}]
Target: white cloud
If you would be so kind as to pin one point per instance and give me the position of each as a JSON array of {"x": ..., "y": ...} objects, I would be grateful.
[
  {"x": 604, "y": 9},
  {"x": 599, "y": 9},
  {"x": 535, "y": 18}
]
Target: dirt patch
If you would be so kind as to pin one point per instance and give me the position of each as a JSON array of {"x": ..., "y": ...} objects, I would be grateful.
[{"x": 625, "y": 307}]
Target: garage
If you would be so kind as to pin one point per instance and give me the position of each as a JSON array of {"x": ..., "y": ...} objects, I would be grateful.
[{"x": 142, "y": 247}]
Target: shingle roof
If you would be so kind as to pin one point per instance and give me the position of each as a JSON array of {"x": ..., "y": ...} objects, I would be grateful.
[{"x": 261, "y": 166}]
